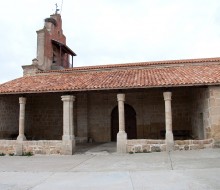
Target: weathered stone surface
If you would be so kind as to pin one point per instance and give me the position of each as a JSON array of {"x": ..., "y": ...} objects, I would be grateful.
[
  {"x": 163, "y": 147},
  {"x": 155, "y": 148},
  {"x": 213, "y": 129},
  {"x": 42, "y": 147},
  {"x": 68, "y": 147},
  {"x": 121, "y": 142},
  {"x": 146, "y": 148},
  {"x": 137, "y": 148}
]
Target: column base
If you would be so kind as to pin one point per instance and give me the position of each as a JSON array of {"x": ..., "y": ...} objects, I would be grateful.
[
  {"x": 122, "y": 142},
  {"x": 68, "y": 147},
  {"x": 169, "y": 141},
  {"x": 68, "y": 137},
  {"x": 19, "y": 149},
  {"x": 21, "y": 138}
]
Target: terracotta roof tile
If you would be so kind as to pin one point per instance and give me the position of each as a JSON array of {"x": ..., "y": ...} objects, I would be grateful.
[
  {"x": 139, "y": 64},
  {"x": 187, "y": 75}
]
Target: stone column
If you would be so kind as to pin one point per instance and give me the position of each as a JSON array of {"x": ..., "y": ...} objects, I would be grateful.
[
  {"x": 168, "y": 121},
  {"x": 68, "y": 128},
  {"x": 22, "y": 102},
  {"x": 122, "y": 135}
]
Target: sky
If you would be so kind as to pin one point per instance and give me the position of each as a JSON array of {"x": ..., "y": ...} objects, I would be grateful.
[{"x": 111, "y": 31}]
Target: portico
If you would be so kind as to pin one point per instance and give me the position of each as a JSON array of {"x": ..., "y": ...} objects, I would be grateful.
[{"x": 56, "y": 123}]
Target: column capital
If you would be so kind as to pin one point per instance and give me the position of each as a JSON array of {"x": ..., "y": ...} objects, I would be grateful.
[
  {"x": 68, "y": 98},
  {"x": 167, "y": 95},
  {"x": 22, "y": 100},
  {"x": 121, "y": 97}
]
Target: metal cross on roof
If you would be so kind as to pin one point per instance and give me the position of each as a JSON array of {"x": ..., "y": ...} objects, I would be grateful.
[{"x": 56, "y": 8}]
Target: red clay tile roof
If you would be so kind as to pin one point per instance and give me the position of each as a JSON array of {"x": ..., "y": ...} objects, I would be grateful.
[
  {"x": 128, "y": 77},
  {"x": 140, "y": 65}
]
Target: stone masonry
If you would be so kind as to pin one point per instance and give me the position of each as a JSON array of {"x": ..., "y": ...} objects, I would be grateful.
[{"x": 192, "y": 110}]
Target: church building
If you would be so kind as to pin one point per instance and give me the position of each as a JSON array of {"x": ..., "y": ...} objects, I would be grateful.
[{"x": 143, "y": 107}]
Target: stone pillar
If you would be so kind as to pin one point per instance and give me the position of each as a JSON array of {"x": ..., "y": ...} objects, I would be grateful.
[
  {"x": 122, "y": 135},
  {"x": 68, "y": 128},
  {"x": 22, "y": 102},
  {"x": 168, "y": 121}
]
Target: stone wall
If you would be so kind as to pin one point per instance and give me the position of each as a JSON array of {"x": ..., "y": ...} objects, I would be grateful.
[
  {"x": 150, "y": 145},
  {"x": 200, "y": 113},
  {"x": 99, "y": 116},
  {"x": 36, "y": 147},
  {"x": 9, "y": 113},
  {"x": 149, "y": 108},
  {"x": 44, "y": 117},
  {"x": 145, "y": 145},
  {"x": 150, "y": 112},
  {"x": 213, "y": 129},
  {"x": 194, "y": 144},
  {"x": 181, "y": 109},
  {"x": 81, "y": 118},
  {"x": 43, "y": 147},
  {"x": 8, "y": 146}
]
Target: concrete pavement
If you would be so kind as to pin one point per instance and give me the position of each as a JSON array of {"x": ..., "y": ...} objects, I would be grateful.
[{"x": 101, "y": 168}]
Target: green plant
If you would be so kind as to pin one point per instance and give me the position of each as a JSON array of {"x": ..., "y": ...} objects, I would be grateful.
[
  {"x": 2, "y": 154},
  {"x": 27, "y": 154},
  {"x": 131, "y": 152},
  {"x": 11, "y": 154}
]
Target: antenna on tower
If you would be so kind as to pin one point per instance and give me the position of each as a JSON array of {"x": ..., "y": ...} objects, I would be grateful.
[{"x": 61, "y": 7}]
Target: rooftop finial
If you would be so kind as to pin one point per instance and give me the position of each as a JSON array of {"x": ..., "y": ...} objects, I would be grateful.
[{"x": 56, "y": 8}]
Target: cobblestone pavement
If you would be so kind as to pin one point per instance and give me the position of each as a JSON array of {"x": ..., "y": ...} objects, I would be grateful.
[{"x": 99, "y": 167}]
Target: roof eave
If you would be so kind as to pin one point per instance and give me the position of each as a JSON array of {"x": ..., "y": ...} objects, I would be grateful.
[{"x": 116, "y": 88}]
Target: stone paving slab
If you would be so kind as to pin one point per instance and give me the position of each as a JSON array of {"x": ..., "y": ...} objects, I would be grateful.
[
  {"x": 41, "y": 163},
  {"x": 198, "y": 159},
  {"x": 198, "y": 169},
  {"x": 128, "y": 162},
  {"x": 22, "y": 180},
  {"x": 181, "y": 180},
  {"x": 201, "y": 179}
]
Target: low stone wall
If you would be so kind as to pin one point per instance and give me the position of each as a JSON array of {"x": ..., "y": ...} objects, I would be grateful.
[
  {"x": 193, "y": 144},
  {"x": 148, "y": 145},
  {"x": 145, "y": 145},
  {"x": 36, "y": 147},
  {"x": 43, "y": 147},
  {"x": 8, "y": 146}
]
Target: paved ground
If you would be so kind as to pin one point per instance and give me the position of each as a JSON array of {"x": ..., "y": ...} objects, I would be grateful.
[{"x": 101, "y": 168}]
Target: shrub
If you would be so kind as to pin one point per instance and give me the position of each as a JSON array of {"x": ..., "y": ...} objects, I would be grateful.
[
  {"x": 27, "y": 154},
  {"x": 146, "y": 151}
]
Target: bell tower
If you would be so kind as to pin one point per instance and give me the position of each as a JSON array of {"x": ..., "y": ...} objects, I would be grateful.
[{"x": 52, "y": 51}]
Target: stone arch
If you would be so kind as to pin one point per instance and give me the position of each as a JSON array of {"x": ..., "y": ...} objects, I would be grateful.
[{"x": 130, "y": 122}]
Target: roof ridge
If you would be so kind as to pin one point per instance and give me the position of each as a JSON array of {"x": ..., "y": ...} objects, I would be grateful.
[
  {"x": 136, "y": 64},
  {"x": 132, "y": 64}
]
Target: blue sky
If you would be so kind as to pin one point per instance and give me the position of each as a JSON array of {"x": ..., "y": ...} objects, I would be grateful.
[{"x": 112, "y": 31}]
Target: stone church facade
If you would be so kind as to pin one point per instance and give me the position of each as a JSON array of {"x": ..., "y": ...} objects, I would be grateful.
[{"x": 147, "y": 106}]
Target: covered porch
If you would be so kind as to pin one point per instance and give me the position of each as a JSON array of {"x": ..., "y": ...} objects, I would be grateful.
[{"x": 138, "y": 120}]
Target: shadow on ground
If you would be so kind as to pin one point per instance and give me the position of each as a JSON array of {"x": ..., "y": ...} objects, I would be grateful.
[{"x": 96, "y": 148}]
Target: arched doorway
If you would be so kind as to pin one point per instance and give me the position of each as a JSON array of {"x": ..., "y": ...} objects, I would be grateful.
[{"x": 130, "y": 122}]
